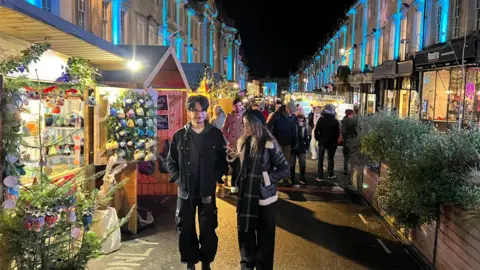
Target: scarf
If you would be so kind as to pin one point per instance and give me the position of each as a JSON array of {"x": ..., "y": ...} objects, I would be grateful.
[{"x": 249, "y": 194}]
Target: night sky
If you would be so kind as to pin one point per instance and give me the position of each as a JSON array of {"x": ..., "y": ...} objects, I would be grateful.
[{"x": 276, "y": 36}]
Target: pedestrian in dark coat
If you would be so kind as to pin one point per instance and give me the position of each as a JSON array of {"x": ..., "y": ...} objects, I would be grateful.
[
  {"x": 196, "y": 162},
  {"x": 300, "y": 151},
  {"x": 327, "y": 132},
  {"x": 262, "y": 166},
  {"x": 349, "y": 132}
]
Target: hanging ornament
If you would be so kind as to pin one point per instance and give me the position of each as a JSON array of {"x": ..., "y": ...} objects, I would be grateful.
[
  {"x": 12, "y": 158},
  {"x": 10, "y": 181},
  {"x": 9, "y": 204},
  {"x": 75, "y": 233}
]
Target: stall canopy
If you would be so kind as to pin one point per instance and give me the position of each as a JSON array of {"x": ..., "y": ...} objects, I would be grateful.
[
  {"x": 158, "y": 68},
  {"x": 27, "y": 22}
]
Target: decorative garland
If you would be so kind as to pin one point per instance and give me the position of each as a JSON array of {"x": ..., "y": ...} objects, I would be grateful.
[
  {"x": 221, "y": 89},
  {"x": 205, "y": 73},
  {"x": 131, "y": 127}
]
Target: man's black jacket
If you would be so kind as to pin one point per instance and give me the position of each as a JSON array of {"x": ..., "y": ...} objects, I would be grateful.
[{"x": 213, "y": 164}]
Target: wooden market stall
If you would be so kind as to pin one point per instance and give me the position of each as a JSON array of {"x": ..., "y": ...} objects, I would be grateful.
[{"x": 160, "y": 78}]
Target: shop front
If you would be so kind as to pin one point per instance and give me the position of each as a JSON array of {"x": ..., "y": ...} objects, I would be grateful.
[
  {"x": 363, "y": 93},
  {"x": 395, "y": 88},
  {"x": 449, "y": 96}
]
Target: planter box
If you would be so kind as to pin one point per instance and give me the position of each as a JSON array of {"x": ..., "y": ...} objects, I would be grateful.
[{"x": 458, "y": 241}]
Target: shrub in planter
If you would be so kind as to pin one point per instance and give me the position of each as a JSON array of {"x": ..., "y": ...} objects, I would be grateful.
[{"x": 427, "y": 168}]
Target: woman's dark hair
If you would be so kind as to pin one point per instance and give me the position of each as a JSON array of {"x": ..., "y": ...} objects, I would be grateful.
[
  {"x": 236, "y": 100},
  {"x": 193, "y": 99},
  {"x": 301, "y": 117},
  {"x": 260, "y": 133}
]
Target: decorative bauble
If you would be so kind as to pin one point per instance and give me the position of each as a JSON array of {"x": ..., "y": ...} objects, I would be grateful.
[{"x": 10, "y": 181}]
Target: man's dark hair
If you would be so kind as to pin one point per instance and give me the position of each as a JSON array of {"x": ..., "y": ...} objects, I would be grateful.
[
  {"x": 236, "y": 100},
  {"x": 193, "y": 99}
]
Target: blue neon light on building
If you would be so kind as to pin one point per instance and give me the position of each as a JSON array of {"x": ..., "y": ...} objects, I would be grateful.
[
  {"x": 166, "y": 34},
  {"x": 444, "y": 21},
  {"x": 421, "y": 9},
  {"x": 377, "y": 36},
  {"x": 37, "y": 3},
  {"x": 116, "y": 13},
  {"x": 364, "y": 26}
]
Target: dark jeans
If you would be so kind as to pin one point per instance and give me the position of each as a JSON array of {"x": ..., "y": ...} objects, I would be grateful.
[
  {"x": 287, "y": 153},
  {"x": 191, "y": 249},
  {"x": 331, "y": 149},
  {"x": 257, "y": 247},
  {"x": 302, "y": 164},
  {"x": 235, "y": 171}
]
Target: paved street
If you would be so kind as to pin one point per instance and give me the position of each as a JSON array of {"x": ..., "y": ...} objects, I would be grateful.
[{"x": 316, "y": 229}]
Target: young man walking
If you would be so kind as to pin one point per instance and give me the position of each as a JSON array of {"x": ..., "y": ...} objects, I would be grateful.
[{"x": 196, "y": 161}]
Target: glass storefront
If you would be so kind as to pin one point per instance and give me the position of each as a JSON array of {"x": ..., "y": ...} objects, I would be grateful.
[{"x": 445, "y": 95}]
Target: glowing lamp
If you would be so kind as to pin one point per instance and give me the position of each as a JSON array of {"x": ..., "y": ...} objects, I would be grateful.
[{"x": 134, "y": 65}]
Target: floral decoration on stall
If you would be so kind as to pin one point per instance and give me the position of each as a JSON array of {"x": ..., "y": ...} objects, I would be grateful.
[
  {"x": 206, "y": 74},
  {"x": 47, "y": 223},
  {"x": 221, "y": 89},
  {"x": 131, "y": 127}
]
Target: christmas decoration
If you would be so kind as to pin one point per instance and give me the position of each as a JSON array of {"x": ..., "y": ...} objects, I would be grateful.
[
  {"x": 39, "y": 228},
  {"x": 130, "y": 123},
  {"x": 206, "y": 74}
]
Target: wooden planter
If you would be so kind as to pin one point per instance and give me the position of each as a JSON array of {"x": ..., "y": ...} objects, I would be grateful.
[{"x": 449, "y": 243}]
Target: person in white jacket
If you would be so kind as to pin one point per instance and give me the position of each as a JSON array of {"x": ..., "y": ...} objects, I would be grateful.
[{"x": 312, "y": 122}]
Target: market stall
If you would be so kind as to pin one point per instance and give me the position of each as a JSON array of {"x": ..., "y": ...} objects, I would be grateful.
[
  {"x": 318, "y": 99},
  {"x": 139, "y": 110}
]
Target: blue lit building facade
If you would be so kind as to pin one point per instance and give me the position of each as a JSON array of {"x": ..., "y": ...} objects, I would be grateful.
[
  {"x": 388, "y": 46},
  {"x": 200, "y": 31}
]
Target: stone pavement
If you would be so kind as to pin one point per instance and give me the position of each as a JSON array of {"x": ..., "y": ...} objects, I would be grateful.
[{"x": 316, "y": 229}]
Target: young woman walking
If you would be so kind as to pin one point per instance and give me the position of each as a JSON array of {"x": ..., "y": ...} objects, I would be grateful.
[{"x": 262, "y": 166}]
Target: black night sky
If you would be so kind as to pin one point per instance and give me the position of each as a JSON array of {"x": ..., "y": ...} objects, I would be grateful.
[{"x": 276, "y": 36}]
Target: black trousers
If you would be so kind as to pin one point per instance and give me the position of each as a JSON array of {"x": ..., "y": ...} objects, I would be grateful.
[
  {"x": 257, "y": 247},
  {"x": 302, "y": 164},
  {"x": 192, "y": 249},
  {"x": 235, "y": 171},
  {"x": 330, "y": 149}
]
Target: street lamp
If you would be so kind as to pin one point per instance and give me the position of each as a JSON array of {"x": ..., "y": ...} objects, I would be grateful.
[
  {"x": 342, "y": 51},
  {"x": 134, "y": 65}
]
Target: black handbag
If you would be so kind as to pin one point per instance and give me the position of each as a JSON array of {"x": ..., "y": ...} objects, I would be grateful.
[{"x": 146, "y": 167}]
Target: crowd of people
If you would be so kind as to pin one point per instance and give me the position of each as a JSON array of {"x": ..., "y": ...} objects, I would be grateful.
[{"x": 261, "y": 144}]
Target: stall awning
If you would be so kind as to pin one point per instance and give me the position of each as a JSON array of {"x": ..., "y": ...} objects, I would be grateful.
[
  {"x": 27, "y": 22},
  {"x": 158, "y": 67}
]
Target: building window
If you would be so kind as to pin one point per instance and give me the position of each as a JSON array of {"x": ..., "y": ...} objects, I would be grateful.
[
  {"x": 403, "y": 40},
  {"x": 477, "y": 15},
  {"x": 104, "y": 19},
  {"x": 418, "y": 28},
  {"x": 391, "y": 49},
  {"x": 47, "y": 5},
  {"x": 438, "y": 22},
  {"x": 380, "y": 50},
  {"x": 456, "y": 18},
  {"x": 123, "y": 16},
  {"x": 151, "y": 35},
  {"x": 81, "y": 8},
  {"x": 140, "y": 31}
]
